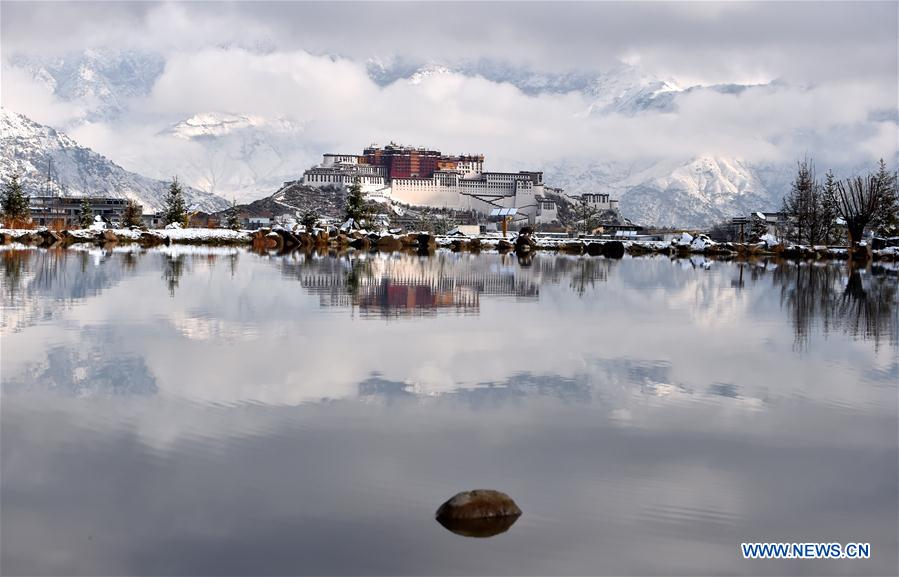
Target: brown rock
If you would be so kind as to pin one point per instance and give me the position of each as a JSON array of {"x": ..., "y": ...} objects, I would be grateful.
[
  {"x": 477, "y": 504},
  {"x": 409, "y": 240},
  {"x": 273, "y": 241},
  {"x": 572, "y": 248},
  {"x": 479, "y": 528},
  {"x": 361, "y": 243},
  {"x": 613, "y": 249},
  {"x": 389, "y": 243},
  {"x": 459, "y": 244},
  {"x": 426, "y": 242}
]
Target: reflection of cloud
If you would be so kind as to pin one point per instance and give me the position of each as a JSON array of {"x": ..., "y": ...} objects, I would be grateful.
[
  {"x": 622, "y": 342},
  {"x": 94, "y": 367},
  {"x": 344, "y": 488},
  {"x": 619, "y": 422},
  {"x": 205, "y": 328}
]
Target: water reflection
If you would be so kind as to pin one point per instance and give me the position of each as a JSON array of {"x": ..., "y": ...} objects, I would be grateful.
[
  {"x": 862, "y": 303},
  {"x": 407, "y": 285},
  {"x": 264, "y": 421},
  {"x": 479, "y": 528}
]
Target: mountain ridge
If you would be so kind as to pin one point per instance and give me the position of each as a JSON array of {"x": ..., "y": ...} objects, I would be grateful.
[{"x": 29, "y": 148}]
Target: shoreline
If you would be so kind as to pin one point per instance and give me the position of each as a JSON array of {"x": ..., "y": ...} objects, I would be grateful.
[{"x": 282, "y": 240}]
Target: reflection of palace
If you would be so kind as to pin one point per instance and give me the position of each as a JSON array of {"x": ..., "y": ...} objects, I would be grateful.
[{"x": 409, "y": 285}]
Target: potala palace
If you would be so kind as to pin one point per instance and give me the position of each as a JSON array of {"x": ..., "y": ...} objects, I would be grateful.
[{"x": 420, "y": 176}]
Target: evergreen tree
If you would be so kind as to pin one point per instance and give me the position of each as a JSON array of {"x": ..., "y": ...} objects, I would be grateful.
[
  {"x": 798, "y": 203},
  {"x": 757, "y": 229},
  {"x": 586, "y": 215},
  {"x": 175, "y": 209},
  {"x": 86, "y": 216},
  {"x": 830, "y": 232},
  {"x": 233, "y": 221},
  {"x": 132, "y": 215},
  {"x": 355, "y": 204},
  {"x": 886, "y": 216},
  {"x": 309, "y": 219},
  {"x": 15, "y": 203}
]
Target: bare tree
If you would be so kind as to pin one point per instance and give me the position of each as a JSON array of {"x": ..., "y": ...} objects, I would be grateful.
[{"x": 857, "y": 202}]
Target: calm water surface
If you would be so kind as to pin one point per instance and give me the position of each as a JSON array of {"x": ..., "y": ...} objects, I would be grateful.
[{"x": 209, "y": 412}]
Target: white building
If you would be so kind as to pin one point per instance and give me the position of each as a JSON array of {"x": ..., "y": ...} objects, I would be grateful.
[
  {"x": 457, "y": 182},
  {"x": 600, "y": 201},
  {"x": 547, "y": 211},
  {"x": 342, "y": 170}
]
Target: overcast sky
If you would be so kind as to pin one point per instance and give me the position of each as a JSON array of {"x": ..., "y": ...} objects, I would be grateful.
[{"x": 833, "y": 66}]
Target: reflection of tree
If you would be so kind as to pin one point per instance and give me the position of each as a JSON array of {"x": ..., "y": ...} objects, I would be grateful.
[
  {"x": 585, "y": 274},
  {"x": 14, "y": 262},
  {"x": 129, "y": 261},
  {"x": 359, "y": 269},
  {"x": 232, "y": 263},
  {"x": 866, "y": 306},
  {"x": 172, "y": 269},
  {"x": 868, "y": 309}
]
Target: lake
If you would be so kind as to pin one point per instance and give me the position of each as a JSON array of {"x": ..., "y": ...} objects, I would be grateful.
[{"x": 199, "y": 411}]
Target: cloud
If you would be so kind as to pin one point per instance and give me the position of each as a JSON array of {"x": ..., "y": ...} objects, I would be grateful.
[{"x": 823, "y": 70}]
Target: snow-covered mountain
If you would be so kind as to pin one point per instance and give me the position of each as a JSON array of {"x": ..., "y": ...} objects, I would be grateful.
[
  {"x": 697, "y": 192},
  {"x": 104, "y": 80},
  {"x": 245, "y": 156},
  {"x": 30, "y": 149}
]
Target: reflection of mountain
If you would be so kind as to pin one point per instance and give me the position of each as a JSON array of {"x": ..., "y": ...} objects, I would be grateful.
[
  {"x": 863, "y": 304},
  {"x": 91, "y": 367}
]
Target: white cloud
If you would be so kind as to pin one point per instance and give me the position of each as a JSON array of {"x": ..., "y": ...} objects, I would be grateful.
[{"x": 834, "y": 63}]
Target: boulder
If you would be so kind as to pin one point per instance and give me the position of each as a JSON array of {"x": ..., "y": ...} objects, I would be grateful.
[
  {"x": 273, "y": 241},
  {"x": 389, "y": 243},
  {"x": 479, "y": 528},
  {"x": 108, "y": 236},
  {"x": 524, "y": 243},
  {"x": 426, "y": 242},
  {"x": 613, "y": 249},
  {"x": 342, "y": 241},
  {"x": 288, "y": 239},
  {"x": 504, "y": 246},
  {"x": 459, "y": 244},
  {"x": 409, "y": 240},
  {"x": 474, "y": 245},
  {"x": 49, "y": 237},
  {"x": 149, "y": 239},
  {"x": 477, "y": 504},
  {"x": 572, "y": 247},
  {"x": 594, "y": 248},
  {"x": 362, "y": 243}
]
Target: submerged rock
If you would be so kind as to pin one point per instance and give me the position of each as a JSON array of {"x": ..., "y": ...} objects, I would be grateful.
[{"x": 479, "y": 528}]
